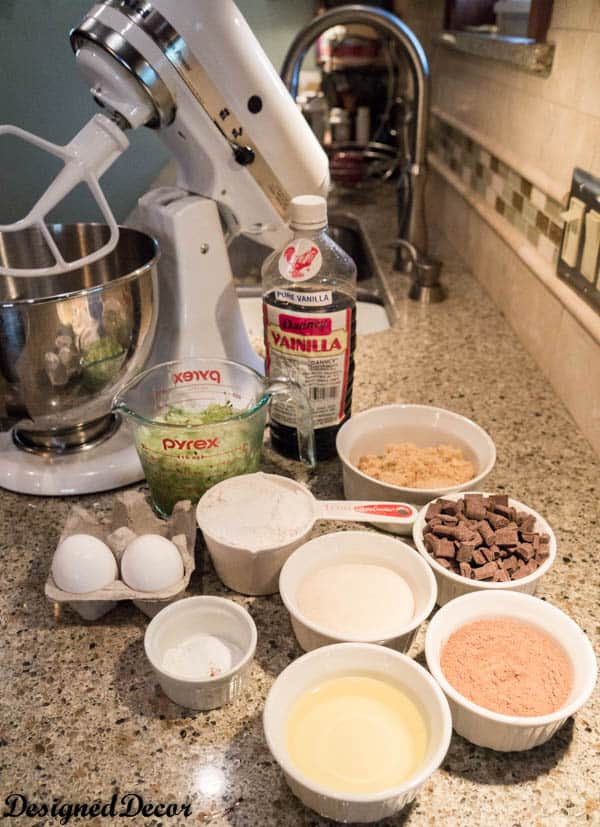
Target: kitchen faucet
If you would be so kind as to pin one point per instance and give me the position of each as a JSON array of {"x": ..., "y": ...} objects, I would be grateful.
[{"x": 412, "y": 228}]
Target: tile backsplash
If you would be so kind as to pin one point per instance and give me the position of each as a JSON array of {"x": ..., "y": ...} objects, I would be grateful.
[
  {"x": 533, "y": 213},
  {"x": 503, "y": 148}
]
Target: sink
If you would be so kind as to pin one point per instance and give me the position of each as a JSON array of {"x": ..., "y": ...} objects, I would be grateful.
[{"x": 375, "y": 307}]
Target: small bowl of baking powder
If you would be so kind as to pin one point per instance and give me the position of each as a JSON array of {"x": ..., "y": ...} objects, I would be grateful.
[{"x": 513, "y": 667}]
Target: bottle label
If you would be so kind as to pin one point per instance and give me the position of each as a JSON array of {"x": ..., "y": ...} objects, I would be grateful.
[
  {"x": 314, "y": 350},
  {"x": 305, "y": 298},
  {"x": 300, "y": 260}
]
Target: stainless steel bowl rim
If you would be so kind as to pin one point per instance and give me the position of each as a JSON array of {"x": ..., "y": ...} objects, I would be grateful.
[{"x": 87, "y": 291}]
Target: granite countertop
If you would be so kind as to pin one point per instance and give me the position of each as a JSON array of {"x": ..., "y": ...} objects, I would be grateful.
[{"x": 83, "y": 718}]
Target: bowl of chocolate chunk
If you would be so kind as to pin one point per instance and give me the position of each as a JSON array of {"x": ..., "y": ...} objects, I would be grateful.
[
  {"x": 476, "y": 541},
  {"x": 412, "y": 453}
]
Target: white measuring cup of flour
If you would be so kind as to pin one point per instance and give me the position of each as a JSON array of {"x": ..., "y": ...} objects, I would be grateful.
[{"x": 252, "y": 523}]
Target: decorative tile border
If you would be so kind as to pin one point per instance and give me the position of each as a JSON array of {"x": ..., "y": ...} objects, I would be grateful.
[{"x": 533, "y": 213}]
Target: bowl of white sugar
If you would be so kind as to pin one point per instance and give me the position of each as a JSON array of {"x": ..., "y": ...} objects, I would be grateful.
[{"x": 357, "y": 586}]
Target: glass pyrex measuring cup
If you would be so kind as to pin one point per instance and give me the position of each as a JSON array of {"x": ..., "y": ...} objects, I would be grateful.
[{"x": 199, "y": 421}]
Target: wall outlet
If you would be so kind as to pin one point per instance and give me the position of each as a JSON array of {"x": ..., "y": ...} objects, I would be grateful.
[{"x": 579, "y": 257}]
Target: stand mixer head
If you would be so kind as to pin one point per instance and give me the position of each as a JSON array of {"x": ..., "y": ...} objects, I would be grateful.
[{"x": 193, "y": 71}]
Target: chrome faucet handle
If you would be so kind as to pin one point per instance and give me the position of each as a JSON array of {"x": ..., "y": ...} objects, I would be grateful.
[
  {"x": 403, "y": 244},
  {"x": 406, "y": 256}
]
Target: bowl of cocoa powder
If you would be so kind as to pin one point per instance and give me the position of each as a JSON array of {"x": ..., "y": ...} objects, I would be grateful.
[{"x": 513, "y": 667}]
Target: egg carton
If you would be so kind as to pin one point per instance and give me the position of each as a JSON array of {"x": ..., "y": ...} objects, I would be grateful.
[{"x": 132, "y": 516}]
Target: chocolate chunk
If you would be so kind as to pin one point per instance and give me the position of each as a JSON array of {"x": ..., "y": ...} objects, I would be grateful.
[
  {"x": 545, "y": 539},
  {"x": 449, "y": 519},
  {"x": 501, "y": 576},
  {"x": 474, "y": 506},
  {"x": 475, "y": 539},
  {"x": 434, "y": 510},
  {"x": 472, "y": 524},
  {"x": 465, "y": 569},
  {"x": 488, "y": 554},
  {"x": 526, "y": 521},
  {"x": 478, "y": 558},
  {"x": 486, "y": 531},
  {"x": 525, "y": 570},
  {"x": 445, "y": 563},
  {"x": 498, "y": 552},
  {"x": 448, "y": 506},
  {"x": 526, "y": 551},
  {"x": 485, "y": 572},
  {"x": 506, "y": 537},
  {"x": 542, "y": 554},
  {"x": 496, "y": 520},
  {"x": 431, "y": 542},
  {"x": 462, "y": 533},
  {"x": 465, "y": 553},
  {"x": 445, "y": 549},
  {"x": 456, "y": 532},
  {"x": 510, "y": 563},
  {"x": 444, "y": 530},
  {"x": 527, "y": 536},
  {"x": 499, "y": 499}
]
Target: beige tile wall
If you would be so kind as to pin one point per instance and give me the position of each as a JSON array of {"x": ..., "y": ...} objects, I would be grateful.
[
  {"x": 548, "y": 125},
  {"x": 564, "y": 351},
  {"x": 552, "y": 124}
]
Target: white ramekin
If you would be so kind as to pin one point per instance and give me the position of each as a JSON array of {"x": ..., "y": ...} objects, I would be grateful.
[
  {"x": 424, "y": 425},
  {"x": 366, "y": 547},
  {"x": 244, "y": 569},
  {"x": 214, "y": 616},
  {"x": 451, "y": 585},
  {"x": 481, "y": 726},
  {"x": 355, "y": 659}
]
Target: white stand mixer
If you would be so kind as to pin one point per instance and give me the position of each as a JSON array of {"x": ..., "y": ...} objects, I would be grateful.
[{"x": 194, "y": 71}]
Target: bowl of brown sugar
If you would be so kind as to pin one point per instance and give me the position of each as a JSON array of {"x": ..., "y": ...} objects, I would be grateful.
[
  {"x": 513, "y": 667},
  {"x": 412, "y": 453}
]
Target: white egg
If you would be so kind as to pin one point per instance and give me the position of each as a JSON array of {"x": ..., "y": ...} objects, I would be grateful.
[
  {"x": 151, "y": 563},
  {"x": 83, "y": 563}
]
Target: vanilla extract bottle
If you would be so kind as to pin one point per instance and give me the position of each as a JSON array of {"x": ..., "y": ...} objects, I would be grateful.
[{"x": 309, "y": 311}]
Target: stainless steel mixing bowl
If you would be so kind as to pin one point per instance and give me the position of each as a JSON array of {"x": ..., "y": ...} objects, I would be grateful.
[{"x": 68, "y": 342}]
